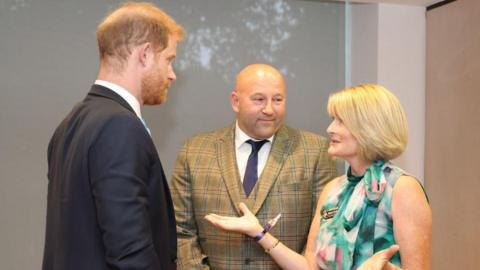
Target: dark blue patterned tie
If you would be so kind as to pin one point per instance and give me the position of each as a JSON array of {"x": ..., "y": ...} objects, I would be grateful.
[{"x": 251, "y": 173}]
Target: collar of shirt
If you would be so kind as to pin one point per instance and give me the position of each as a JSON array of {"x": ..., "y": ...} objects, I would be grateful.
[
  {"x": 241, "y": 137},
  {"x": 243, "y": 150},
  {"x": 127, "y": 96}
]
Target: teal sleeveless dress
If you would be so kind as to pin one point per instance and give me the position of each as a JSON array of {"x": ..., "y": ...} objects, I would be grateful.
[{"x": 356, "y": 218}]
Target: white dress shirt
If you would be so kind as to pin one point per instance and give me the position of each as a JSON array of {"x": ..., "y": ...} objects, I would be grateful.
[
  {"x": 127, "y": 96},
  {"x": 243, "y": 150}
]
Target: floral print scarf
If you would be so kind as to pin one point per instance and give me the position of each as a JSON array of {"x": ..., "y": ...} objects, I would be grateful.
[{"x": 349, "y": 228}]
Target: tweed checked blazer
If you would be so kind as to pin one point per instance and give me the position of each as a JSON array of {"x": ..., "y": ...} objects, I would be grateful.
[{"x": 206, "y": 180}]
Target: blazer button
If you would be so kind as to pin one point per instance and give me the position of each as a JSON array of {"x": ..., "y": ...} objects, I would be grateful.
[{"x": 248, "y": 261}]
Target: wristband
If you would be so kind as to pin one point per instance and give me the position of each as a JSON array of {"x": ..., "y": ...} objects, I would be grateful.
[
  {"x": 261, "y": 234},
  {"x": 267, "y": 228}
]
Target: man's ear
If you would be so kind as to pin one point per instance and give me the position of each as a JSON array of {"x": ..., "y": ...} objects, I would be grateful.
[
  {"x": 145, "y": 54},
  {"x": 234, "y": 100}
]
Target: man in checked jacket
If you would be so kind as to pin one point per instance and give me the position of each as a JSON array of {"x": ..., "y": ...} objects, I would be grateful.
[{"x": 292, "y": 166}]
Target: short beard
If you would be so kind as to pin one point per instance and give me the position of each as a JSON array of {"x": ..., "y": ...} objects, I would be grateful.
[{"x": 153, "y": 92}]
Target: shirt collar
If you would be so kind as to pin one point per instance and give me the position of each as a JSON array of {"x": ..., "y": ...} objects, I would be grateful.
[
  {"x": 127, "y": 96},
  {"x": 241, "y": 137}
]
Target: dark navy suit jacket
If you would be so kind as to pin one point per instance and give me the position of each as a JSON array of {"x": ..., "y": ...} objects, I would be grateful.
[{"x": 109, "y": 206}]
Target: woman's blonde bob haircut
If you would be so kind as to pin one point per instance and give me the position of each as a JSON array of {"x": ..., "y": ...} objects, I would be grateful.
[{"x": 375, "y": 118}]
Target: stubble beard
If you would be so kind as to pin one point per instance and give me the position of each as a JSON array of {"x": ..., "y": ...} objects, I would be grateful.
[{"x": 154, "y": 91}]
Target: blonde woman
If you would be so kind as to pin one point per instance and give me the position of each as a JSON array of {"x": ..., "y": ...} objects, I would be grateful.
[{"x": 362, "y": 216}]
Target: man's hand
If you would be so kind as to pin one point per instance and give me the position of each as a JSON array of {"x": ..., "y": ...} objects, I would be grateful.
[{"x": 380, "y": 260}]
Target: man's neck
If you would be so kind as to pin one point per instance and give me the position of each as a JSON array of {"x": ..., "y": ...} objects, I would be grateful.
[
  {"x": 122, "y": 79},
  {"x": 124, "y": 93}
]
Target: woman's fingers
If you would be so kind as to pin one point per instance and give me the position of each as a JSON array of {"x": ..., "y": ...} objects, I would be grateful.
[
  {"x": 247, "y": 224},
  {"x": 380, "y": 260},
  {"x": 244, "y": 209},
  {"x": 389, "y": 252}
]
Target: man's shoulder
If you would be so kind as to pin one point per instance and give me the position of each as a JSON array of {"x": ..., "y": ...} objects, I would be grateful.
[
  {"x": 212, "y": 136},
  {"x": 97, "y": 118},
  {"x": 110, "y": 114},
  {"x": 90, "y": 115}
]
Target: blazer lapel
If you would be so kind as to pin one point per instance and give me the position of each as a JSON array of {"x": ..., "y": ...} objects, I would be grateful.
[
  {"x": 100, "y": 91},
  {"x": 280, "y": 149},
  {"x": 227, "y": 162}
]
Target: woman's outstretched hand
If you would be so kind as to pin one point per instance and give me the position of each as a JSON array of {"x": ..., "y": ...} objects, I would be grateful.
[
  {"x": 380, "y": 260},
  {"x": 247, "y": 224}
]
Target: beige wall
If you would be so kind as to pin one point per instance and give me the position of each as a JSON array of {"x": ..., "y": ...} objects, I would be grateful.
[
  {"x": 399, "y": 46},
  {"x": 453, "y": 133},
  {"x": 401, "y": 68},
  {"x": 388, "y": 47}
]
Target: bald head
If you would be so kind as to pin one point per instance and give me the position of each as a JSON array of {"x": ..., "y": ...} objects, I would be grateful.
[
  {"x": 256, "y": 73},
  {"x": 259, "y": 100}
]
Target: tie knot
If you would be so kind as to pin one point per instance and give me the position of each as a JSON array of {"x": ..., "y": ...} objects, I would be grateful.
[{"x": 256, "y": 145}]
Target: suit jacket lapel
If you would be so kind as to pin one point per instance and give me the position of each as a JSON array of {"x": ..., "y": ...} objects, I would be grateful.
[
  {"x": 227, "y": 162},
  {"x": 280, "y": 149},
  {"x": 100, "y": 91}
]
